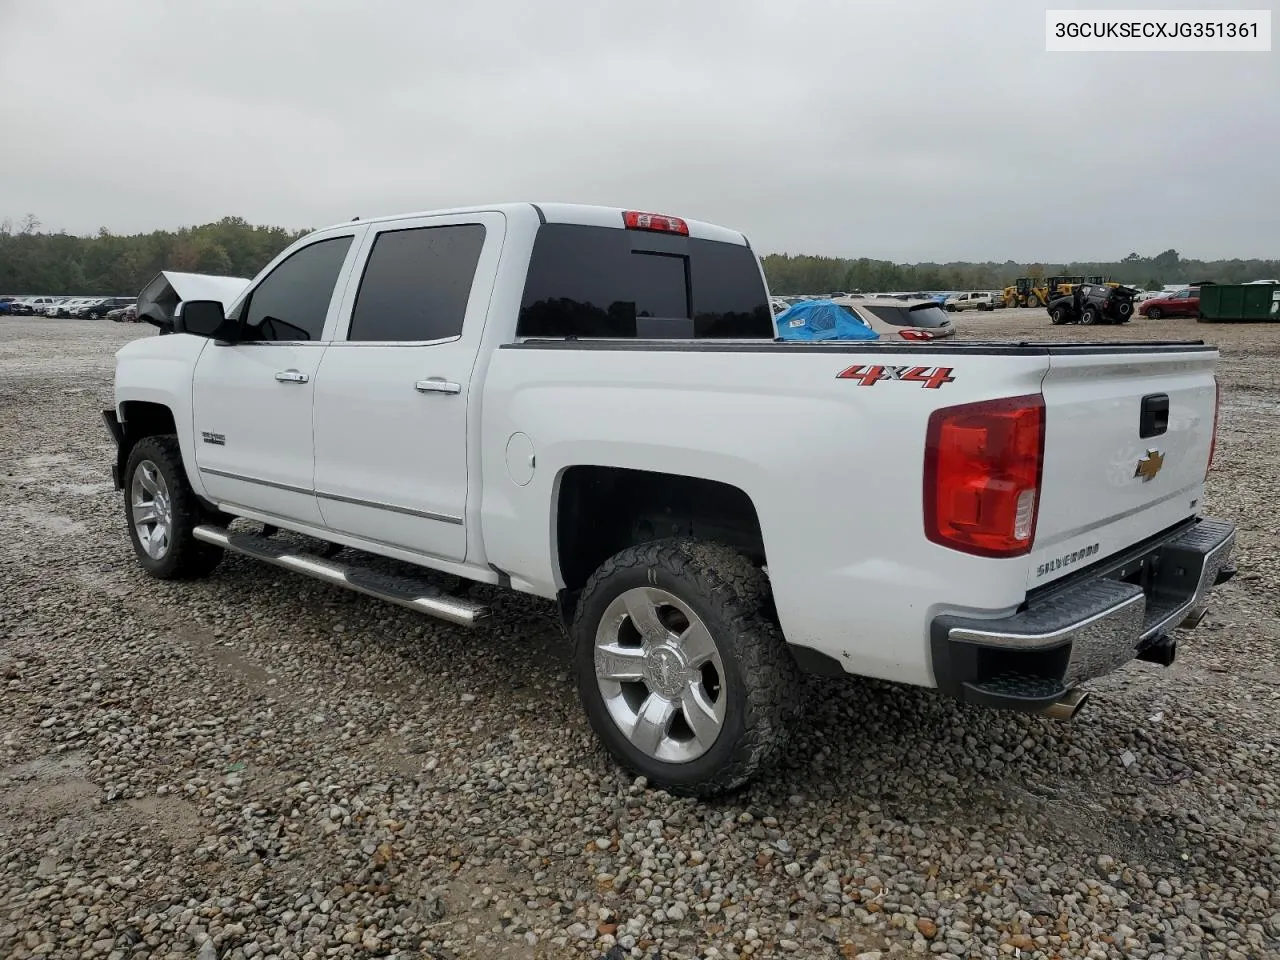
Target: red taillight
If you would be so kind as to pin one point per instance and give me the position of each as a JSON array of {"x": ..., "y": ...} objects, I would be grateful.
[
  {"x": 982, "y": 465},
  {"x": 913, "y": 334},
  {"x": 635, "y": 220},
  {"x": 1213, "y": 442}
]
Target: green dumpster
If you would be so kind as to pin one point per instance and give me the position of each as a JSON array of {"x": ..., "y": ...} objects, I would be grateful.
[{"x": 1245, "y": 301}]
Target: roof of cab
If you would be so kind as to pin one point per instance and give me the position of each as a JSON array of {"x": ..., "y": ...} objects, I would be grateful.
[{"x": 580, "y": 213}]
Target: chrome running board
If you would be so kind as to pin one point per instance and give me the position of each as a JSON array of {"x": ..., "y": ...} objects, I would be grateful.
[{"x": 407, "y": 592}]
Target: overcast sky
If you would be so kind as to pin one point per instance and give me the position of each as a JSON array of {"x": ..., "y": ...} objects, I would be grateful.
[{"x": 927, "y": 130}]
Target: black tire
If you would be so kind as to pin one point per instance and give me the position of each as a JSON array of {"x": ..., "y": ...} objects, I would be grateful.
[
  {"x": 184, "y": 557},
  {"x": 730, "y": 596},
  {"x": 1033, "y": 301},
  {"x": 1090, "y": 316},
  {"x": 1057, "y": 316},
  {"x": 1155, "y": 313}
]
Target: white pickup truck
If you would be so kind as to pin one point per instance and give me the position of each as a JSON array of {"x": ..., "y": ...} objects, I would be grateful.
[{"x": 588, "y": 404}]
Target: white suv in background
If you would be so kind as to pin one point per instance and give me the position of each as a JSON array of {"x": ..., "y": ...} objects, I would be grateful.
[{"x": 977, "y": 300}]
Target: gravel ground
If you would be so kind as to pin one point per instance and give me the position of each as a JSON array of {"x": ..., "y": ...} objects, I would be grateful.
[{"x": 260, "y": 766}]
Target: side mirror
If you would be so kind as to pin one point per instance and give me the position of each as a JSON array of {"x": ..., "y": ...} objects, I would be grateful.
[{"x": 205, "y": 318}]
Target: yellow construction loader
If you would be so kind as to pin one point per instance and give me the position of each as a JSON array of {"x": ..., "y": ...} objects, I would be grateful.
[{"x": 1034, "y": 292}]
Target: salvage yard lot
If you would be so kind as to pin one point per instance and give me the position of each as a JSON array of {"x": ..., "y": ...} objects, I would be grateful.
[{"x": 257, "y": 765}]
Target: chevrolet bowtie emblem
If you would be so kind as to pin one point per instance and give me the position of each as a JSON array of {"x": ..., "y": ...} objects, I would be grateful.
[{"x": 1149, "y": 465}]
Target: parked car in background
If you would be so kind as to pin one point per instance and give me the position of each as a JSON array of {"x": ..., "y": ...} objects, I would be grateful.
[
  {"x": 67, "y": 307},
  {"x": 6, "y": 304},
  {"x": 918, "y": 320},
  {"x": 975, "y": 300},
  {"x": 1182, "y": 303},
  {"x": 127, "y": 314},
  {"x": 54, "y": 306},
  {"x": 32, "y": 306},
  {"x": 99, "y": 308}
]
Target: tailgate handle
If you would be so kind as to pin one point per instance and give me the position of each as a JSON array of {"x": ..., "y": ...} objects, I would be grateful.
[{"x": 1155, "y": 415}]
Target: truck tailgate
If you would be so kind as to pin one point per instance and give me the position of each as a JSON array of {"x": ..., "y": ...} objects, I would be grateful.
[{"x": 1127, "y": 443}]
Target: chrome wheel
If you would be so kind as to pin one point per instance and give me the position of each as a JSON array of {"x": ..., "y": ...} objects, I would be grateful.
[
  {"x": 660, "y": 675},
  {"x": 151, "y": 510}
]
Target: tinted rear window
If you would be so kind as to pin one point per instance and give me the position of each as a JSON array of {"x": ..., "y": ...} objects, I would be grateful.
[
  {"x": 605, "y": 282},
  {"x": 928, "y": 315},
  {"x": 417, "y": 283}
]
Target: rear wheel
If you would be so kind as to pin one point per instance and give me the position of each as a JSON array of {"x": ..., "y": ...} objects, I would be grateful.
[
  {"x": 1155, "y": 313},
  {"x": 162, "y": 511},
  {"x": 683, "y": 677}
]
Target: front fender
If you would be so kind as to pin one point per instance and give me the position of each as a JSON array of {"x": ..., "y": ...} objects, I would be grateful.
[{"x": 160, "y": 370}]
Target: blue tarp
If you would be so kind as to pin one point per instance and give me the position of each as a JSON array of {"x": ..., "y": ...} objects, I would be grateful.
[{"x": 821, "y": 320}]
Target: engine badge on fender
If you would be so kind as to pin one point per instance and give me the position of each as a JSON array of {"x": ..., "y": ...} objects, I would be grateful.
[{"x": 931, "y": 378}]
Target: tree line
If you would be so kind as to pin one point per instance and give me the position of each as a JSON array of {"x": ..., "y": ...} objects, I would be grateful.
[
  {"x": 36, "y": 262},
  {"x": 33, "y": 262},
  {"x": 790, "y": 274}
]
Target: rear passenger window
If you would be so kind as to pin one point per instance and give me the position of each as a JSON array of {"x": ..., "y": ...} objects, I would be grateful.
[
  {"x": 417, "y": 283},
  {"x": 606, "y": 282}
]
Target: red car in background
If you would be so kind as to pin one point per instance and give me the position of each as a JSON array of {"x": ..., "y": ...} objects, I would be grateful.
[{"x": 1182, "y": 303}]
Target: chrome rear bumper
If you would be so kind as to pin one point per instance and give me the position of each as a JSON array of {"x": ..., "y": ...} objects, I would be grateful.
[{"x": 1094, "y": 623}]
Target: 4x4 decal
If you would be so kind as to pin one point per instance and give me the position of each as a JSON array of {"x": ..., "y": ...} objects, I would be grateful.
[{"x": 931, "y": 378}]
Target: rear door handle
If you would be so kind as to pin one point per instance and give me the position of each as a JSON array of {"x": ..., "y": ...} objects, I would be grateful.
[
  {"x": 292, "y": 376},
  {"x": 437, "y": 385}
]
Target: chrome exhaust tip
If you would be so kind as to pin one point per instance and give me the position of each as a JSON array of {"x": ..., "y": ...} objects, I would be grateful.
[{"x": 1067, "y": 706}]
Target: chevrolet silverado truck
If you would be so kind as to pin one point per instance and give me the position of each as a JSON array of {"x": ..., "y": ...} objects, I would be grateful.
[{"x": 590, "y": 405}]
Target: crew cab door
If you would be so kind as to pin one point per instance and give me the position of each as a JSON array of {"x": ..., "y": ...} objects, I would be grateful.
[
  {"x": 393, "y": 392},
  {"x": 251, "y": 400}
]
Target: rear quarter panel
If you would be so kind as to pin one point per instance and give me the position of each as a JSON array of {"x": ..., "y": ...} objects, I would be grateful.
[{"x": 834, "y": 469}]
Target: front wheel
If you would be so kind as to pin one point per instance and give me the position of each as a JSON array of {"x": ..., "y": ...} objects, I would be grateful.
[
  {"x": 1090, "y": 316},
  {"x": 683, "y": 677},
  {"x": 1154, "y": 313},
  {"x": 1058, "y": 316},
  {"x": 1033, "y": 301},
  {"x": 162, "y": 511}
]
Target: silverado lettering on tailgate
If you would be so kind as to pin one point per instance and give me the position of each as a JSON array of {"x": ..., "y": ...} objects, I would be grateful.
[{"x": 1068, "y": 559}]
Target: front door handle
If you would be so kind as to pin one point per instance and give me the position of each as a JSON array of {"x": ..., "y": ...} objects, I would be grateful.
[
  {"x": 437, "y": 385},
  {"x": 292, "y": 376}
]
